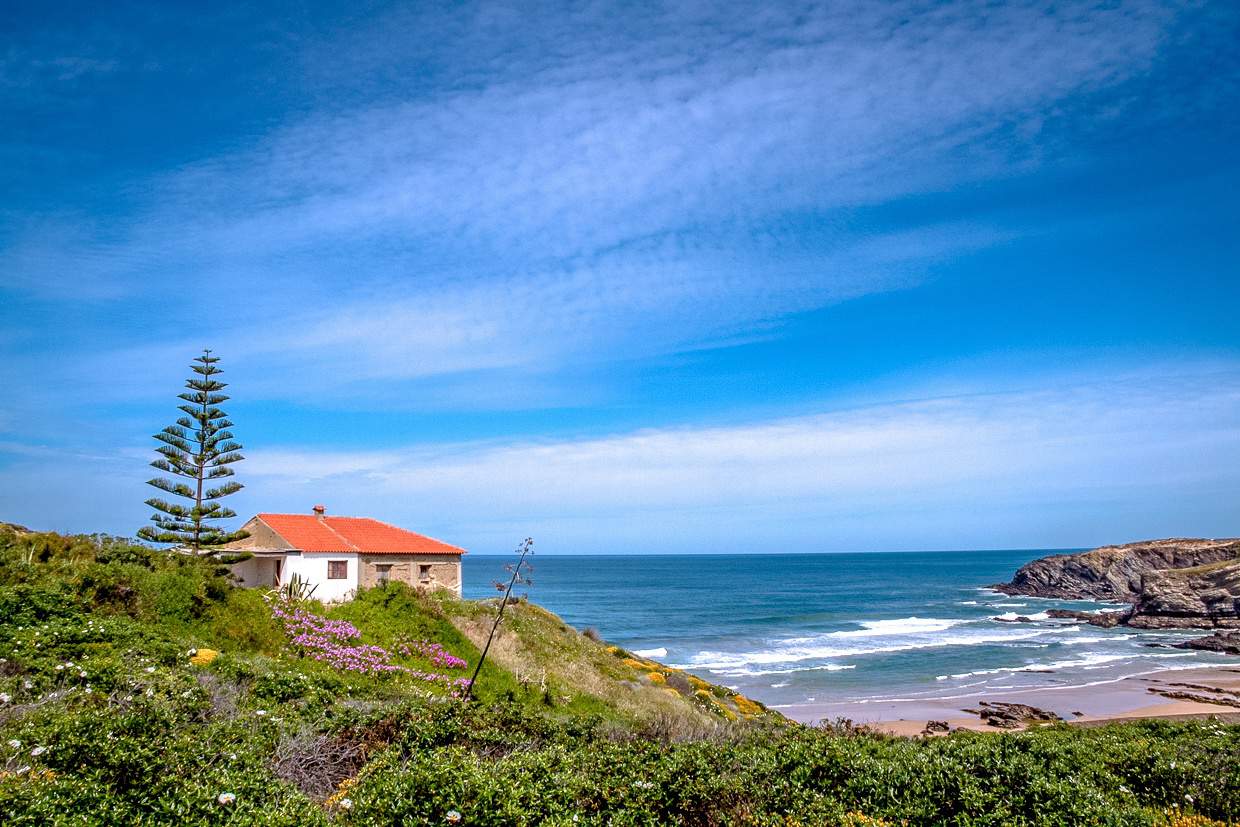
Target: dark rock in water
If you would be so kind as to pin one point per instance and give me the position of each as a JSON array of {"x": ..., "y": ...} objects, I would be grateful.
[
  {"x": 1226, "y": 642},
  {"x": 1017, "y": 619},
  {"x": 1077, "y": 713},
  {"x": 1114, "y": 572},
  {"x": 1106, "y": 620},
  {"x": 1010, "y": 716}
]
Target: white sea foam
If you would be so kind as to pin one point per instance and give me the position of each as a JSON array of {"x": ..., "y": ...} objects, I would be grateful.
[
  {"x": 746, "y": 672},
  {"x": 1014, "y": 615},
  {"x": 1077, "y": 641},
  {"x": 966, "y": 603},
  {"x": 778, "y": 685},
  {"x": 986, "y": 690},
  {"x": 1008, "y": 605},
  {"x": 1087, "y": 660},
  {"x": 874, "y": 637},
  {"x": 660, "y": 652},
  {"x": 901, "y": 626}
]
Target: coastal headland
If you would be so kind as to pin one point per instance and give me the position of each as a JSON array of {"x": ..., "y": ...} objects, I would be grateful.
[{"x": 1168, "y": 584}]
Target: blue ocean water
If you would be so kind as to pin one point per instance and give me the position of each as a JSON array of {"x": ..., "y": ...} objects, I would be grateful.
[{"x": 824, "y": 628}]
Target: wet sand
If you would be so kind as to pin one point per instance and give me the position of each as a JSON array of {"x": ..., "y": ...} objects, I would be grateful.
[{"x": 1127, "y": 698}]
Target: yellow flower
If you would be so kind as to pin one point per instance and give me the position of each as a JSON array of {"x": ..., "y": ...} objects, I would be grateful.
[{"x": 204, "y": 656}]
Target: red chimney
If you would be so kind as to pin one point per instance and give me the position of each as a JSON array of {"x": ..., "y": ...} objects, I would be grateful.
[{"x": 320, "y": 510}]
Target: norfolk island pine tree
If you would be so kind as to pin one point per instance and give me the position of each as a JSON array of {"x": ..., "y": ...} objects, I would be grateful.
[{"x": 199, "y": 450}]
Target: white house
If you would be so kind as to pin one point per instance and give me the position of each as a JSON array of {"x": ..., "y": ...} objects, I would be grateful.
[{"x": 339, "y": 554}]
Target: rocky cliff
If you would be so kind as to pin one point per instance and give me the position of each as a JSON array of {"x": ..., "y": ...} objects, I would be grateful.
[
  {"x": 1116, "y": 572},
  {"x": 1170, "y": 583},
  {"x": 1202, "y": 596}
]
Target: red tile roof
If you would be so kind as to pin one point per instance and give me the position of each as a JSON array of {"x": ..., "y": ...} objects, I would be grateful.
[{"x": 310, "y": 532}]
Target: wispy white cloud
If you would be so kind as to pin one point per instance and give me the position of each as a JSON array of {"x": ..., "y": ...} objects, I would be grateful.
[
  {"x": 454, "y": 200},
  {"x": 1062, "y": 463},
  {"x": 587, "y": 190}
]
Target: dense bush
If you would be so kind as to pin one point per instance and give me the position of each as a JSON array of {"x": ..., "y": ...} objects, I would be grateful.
[{"x": 104, "y": 719}]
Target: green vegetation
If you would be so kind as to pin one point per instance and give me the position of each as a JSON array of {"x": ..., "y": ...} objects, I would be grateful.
[{"x": 116, "y": 709}]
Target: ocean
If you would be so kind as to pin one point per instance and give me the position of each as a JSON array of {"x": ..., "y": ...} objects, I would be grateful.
[{"x": 797, "y": 629}]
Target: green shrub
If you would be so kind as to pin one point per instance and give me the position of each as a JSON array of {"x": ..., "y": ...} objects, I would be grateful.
[{"x": 95, "y": 635}]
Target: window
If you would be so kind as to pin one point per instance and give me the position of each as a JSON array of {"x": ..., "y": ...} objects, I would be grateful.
[
  {"x": 383, "y": 572},
  {"x": 337, "y": 569},
  {"x": 424, "y": 571}
]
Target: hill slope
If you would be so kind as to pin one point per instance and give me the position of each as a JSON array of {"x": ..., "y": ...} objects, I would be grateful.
[{"x": 138, "y": 687}]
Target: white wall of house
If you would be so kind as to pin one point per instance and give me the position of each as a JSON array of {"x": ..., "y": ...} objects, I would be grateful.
[
  {"x": 259, "y": 571},
  {"x": 312, "y": 567}
]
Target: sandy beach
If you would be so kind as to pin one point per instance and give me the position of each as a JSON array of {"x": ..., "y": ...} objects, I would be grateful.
[{"x": 1201, "y": 693}]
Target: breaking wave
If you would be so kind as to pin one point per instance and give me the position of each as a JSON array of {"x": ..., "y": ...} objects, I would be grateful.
[
  {"x": 1014, "y": 616},
  {"x": 660, "y": 652},
  {"x": 823, "y": 651}
]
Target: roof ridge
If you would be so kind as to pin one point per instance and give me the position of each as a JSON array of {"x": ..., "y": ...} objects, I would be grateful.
[{"x": 343, "y": 538}]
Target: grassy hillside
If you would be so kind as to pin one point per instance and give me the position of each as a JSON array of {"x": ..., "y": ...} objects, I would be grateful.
[
  {"x": 539, "y": 649},
  {"x": 143, "y": 688}
]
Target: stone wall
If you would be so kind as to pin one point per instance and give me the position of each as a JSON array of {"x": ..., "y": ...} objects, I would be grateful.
[{"x": 444, "y": 570}]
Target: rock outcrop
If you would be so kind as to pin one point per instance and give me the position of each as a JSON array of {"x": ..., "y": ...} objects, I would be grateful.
[
  {"x": 1114, "y": 572},
  {"x": 1107, "y": 620},
  {"x": 1226, "y": 642},
  {"x": 1171, "y": 584},
  {"x": 1201, "y": 596},
  {"x": 1003, "y": 715}
]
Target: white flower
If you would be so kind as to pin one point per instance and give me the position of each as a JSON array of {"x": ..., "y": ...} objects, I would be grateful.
[
  {"x": 150, "y": 669},
  {"x": 37, "y": 751},
  {"x": 260, "y": 712},
  {"x": 4, "y": 698},
  {"x": 453, "y": 817},
  {"x": 346, "y": 804},
  {"x": 27, "y": 685},
  {"x": 226, "y": 798},
  {"x": 1188, "y": 798},
  {"x": 232, "y": 756},
  {"x": 15, "y": 744},
  {"x": 60, "y": 667}
]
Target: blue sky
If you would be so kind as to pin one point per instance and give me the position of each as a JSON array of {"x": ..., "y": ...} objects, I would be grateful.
[{"x": 634, "y": 278}]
